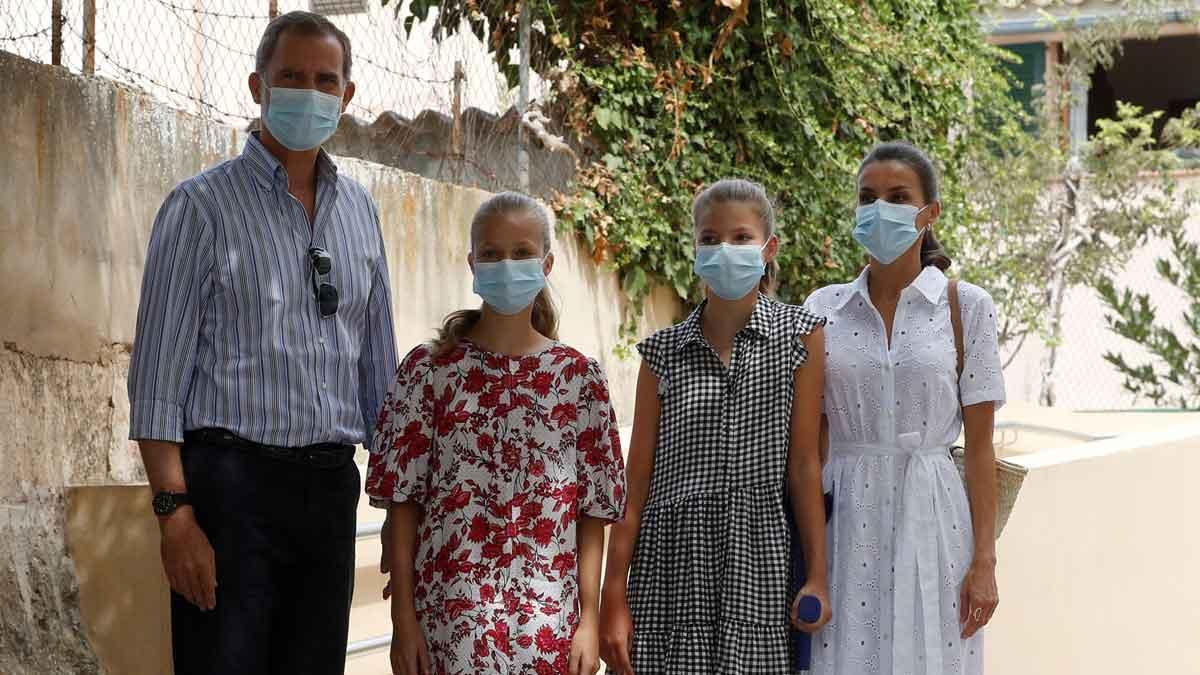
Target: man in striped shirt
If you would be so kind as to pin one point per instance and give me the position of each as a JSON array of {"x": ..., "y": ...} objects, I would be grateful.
[{"x": 264, "y": 348}]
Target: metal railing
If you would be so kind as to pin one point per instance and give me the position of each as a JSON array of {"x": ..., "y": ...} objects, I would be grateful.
[
  {"x": 365, "y": 532},
  {"x": 1055, "y": 431},
  {"x": 361, "y": 647}
]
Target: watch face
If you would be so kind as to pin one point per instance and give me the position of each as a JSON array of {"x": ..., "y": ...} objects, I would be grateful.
[{"x": 164, "y": 503}]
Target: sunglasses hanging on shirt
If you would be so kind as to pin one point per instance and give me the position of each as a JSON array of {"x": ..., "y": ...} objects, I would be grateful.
[{"x": 325, "y": 292}]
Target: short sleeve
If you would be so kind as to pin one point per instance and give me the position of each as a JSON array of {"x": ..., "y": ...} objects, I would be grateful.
[
  {"x": 982, "y": 376},
  {"x": 805, "y": 323},
  {"x": 653, "y": 351},
  {"x": 399, "y": 463},
  {"x": 599, "y": 463}
]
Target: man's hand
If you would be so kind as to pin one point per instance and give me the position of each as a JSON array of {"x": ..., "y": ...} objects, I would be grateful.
[{"x": 188, "y": 558}]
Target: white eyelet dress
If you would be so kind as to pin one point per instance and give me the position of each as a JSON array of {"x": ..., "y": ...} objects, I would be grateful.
[{"x": 900, "y": 537}]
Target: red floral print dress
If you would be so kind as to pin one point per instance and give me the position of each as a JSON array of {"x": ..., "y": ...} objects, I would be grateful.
[{"x": 504, "y": 454}]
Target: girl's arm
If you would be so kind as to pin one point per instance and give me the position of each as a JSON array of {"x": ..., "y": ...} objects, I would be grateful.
[
  {"x": 585, "y": 650},
  {"x": 590, "y": 535},
  {"x": 410, "y": 655},
  {"x": 616, "y": 622},
  {"x": 979, "y": 595},
  {"x": 804, "y": 475}
]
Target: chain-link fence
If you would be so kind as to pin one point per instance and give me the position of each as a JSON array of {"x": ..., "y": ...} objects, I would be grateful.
[
  {"x": 1082, "y": 378},
  {"x": 437, "y": 108}
]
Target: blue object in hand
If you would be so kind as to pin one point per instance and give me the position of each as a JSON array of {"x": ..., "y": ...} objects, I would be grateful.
[{"x": 809, "y": 609}]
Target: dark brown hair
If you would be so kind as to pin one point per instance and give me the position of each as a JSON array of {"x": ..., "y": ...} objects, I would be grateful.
[
  {"x": 752, "y": 194},
  {"x": 456, "y": 325},
  {"x": 302, "y": 23},
  {"x": 932, "y": 252}
]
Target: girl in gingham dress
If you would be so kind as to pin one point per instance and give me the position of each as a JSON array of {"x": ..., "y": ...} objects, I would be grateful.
[
  {"x": 498, "y": 459},
  {"x": 725, "y": 427}
]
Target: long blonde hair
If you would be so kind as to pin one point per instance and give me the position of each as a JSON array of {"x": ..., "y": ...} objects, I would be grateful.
[{"x": 457, "y": 324}]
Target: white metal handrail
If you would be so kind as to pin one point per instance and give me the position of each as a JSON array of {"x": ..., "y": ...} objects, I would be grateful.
[
  {"x": 368, "y": 645},
  {"x": 363, "y": 532}
]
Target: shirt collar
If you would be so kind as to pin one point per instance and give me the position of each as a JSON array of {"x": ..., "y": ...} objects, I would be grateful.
[
  {"x": 931, "y": 282},
  {"x": 759, "y": 324},
  {"x": 268, "y": 169},
  {"x": 858, "y": 287}
]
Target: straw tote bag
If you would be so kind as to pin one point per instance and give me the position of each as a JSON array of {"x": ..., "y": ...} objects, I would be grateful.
[{"x": 1009, "y": 476}]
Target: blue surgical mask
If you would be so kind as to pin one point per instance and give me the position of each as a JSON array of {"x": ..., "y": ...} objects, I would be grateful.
[
  {"x": 885, "y": 229},
  {"x": 509, "y": 286},
  {"x": 730, "y": 271},
  {"x": 302, "y": 119}
]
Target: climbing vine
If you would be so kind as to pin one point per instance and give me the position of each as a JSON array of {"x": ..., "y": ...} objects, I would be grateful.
[{"x": 669, "y": 96}]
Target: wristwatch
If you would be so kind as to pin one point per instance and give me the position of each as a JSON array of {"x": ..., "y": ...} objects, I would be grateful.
[{"x": 165, "y": 502}]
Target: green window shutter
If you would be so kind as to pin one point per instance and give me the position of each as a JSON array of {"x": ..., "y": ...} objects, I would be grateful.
[{"x": 1029, "y": 73}]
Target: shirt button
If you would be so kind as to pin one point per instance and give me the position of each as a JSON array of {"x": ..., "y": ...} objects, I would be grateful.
[
  {"x": 321, "y": 340},
  {"x": 322, "y": 384}
]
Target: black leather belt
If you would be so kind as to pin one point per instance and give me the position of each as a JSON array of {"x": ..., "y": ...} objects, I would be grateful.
[{"x": 320, "y": 456}]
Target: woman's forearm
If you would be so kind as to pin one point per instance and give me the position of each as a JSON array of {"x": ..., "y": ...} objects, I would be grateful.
[
  {"x": 979, "y": 423},
  {"x": 981, "y": 492}
]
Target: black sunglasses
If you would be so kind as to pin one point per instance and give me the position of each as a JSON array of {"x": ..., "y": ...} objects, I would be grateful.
[{"x": 326, "y": 293}]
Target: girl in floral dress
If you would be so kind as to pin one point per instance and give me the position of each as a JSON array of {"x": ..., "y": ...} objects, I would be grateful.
[{"x": 498, "y": 459}]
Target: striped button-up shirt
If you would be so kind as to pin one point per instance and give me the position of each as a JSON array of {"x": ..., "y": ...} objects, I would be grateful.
[{"x": 229, "y": 331}]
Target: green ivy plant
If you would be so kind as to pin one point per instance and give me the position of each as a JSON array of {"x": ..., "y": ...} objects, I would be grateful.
[{"x": 669, "y": 96}]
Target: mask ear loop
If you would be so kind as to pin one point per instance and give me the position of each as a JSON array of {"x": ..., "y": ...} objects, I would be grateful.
[{"x": 928, "y": 226}]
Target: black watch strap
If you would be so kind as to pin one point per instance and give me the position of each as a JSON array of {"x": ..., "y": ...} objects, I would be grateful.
[{"x": 165, "y": 502}]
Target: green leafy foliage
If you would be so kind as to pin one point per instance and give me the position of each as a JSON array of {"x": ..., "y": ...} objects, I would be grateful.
[
  {"x": 671, "y": 96},
  {"x": 1171, "y": 375},
  {"x": 1051, "y": 215}
]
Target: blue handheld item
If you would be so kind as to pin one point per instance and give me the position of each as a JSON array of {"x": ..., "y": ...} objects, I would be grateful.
[{"x": 810, "y": 609}]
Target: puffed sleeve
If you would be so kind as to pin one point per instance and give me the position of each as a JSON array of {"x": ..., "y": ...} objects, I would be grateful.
[
  {"x": 599, "y": 464},
  {"x": 982, "y": 377},
  {"x": 399, "y": 462},
  {"x": 653, "y": 351},
  {"x": 805, "y": 323}
]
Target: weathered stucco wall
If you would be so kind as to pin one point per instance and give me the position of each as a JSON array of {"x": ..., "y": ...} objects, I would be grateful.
[{"x": 85, "y": 167}]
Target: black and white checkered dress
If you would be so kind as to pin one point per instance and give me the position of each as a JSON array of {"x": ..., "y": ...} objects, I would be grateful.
[{"x": 709, "y": 581}]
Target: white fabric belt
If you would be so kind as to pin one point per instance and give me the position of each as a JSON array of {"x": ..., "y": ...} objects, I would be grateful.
[{"x": 872, "y": 450}]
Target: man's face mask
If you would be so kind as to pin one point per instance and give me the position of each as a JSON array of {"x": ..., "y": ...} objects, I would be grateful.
[{"x": 302, "y": 119}]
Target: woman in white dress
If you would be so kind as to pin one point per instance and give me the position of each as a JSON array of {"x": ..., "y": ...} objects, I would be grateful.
[{"x": 912, "y": 553}]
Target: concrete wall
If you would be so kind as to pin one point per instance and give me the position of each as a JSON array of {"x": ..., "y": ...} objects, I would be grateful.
[
  {"x": 1097, "y": 567},
  {"x": 85, "y": 166}
]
